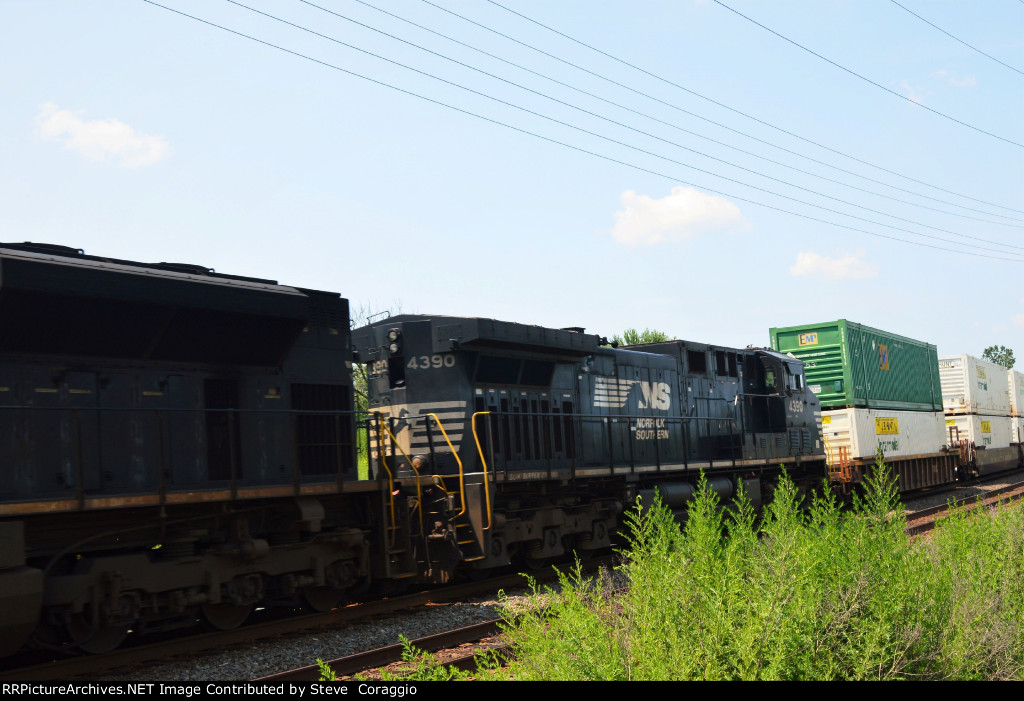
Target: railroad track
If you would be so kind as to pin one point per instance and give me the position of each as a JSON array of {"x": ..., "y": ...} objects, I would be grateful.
[
  {"x": 973, "y": 488},
  {"x": 136, "y": 656},
  {"x": 71, "y": 667},
  {"x": 461, "y": 646},
  {"x": 925, "y": 520}
]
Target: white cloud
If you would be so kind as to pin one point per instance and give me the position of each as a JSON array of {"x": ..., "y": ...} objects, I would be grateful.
[
  {"x": 1018, "y": 320},
  {"x": 108, "y": 140},
  {"x": 683, "y": 214},
  {"x": 955, "y": 79},
  {"x": 848, "y": 267},
  {"x": 914, "y": 93}
]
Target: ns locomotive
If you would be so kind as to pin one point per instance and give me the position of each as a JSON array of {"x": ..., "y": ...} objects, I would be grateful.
[
  {"x": 551, "y": 434},
  {"x": 179, "y": 444}
]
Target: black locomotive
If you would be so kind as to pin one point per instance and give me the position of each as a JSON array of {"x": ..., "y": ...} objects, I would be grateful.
[
  {"x": 175, "y": 444},
  {"x": 549, "y": 434},
  {"x": 180, "y": 445}
]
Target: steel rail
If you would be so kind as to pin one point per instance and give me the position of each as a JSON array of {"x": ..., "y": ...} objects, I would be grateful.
[
  {"x": 68, "y": 668},
  {"x": 925, "y": 520},
  {"x": 381, "y": 657}
]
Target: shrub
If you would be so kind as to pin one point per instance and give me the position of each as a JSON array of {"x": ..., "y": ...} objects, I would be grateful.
[{"x": 808, "y": 592}]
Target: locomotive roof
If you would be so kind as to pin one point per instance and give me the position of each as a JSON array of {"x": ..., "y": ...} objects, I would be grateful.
[
  {"x": 665, "y": 346},
  {"x": 60, "y": 301},
  {"x": 450, "y": 332},
  {"x": 66, "y": 255}
]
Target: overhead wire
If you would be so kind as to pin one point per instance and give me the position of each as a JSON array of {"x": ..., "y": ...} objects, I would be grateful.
[
  {"x": 868, "y": 80},
  {"x": 708, "y": 99},
  {"x": 480, "y": 71},
  {"x": 955, "y": 38},
  {"x": 599, "y": 155},
  {"x": 631, "y": 146},
  {"x": 683, "y": 129}
]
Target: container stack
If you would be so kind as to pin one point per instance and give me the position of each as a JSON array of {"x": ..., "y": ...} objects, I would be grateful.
[
  {"x": 977, "y": 400},
  {"x": 877, "y": 389}
]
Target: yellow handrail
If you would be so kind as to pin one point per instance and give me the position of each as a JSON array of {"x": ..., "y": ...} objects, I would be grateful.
[
  {"x": 835, "y": 467},
  {"x": 483, "y": 462},
  {"x": 391, "y": 489},
  {"x": 384, "y": 463},
  {"x": 462, "y": 477}
]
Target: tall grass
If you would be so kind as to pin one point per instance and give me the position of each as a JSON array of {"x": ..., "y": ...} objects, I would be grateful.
[{"x": 802, "y": 593}]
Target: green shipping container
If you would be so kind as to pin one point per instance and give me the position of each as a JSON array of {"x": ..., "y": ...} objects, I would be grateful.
[{"x": 852, "y": 365}]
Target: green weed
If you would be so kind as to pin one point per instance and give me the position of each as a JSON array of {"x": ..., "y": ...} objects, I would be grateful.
[{"x": 808, "y": 592}]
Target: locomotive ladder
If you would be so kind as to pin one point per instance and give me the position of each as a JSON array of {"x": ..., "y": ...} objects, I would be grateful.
[
  {"x": 399, "y": 524},
  {"x": 466, "y": 538},
  {"x": 457, "y": 527}
]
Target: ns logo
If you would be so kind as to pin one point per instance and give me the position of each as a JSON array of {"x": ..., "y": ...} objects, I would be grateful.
[
  {"x": 612, "y": 393},
  {"x": 654, "y": 395}
]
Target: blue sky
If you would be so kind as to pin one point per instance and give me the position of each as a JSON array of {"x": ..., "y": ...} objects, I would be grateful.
[{"x": 134, "y": 132}]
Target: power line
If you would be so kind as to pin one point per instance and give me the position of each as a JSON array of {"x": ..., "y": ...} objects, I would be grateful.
[
  {"x": 612, "y": 121},
  {"x": 622, "y": 143},
  {"x": 682, "y": 129},
  {"x": 703, "y": 97},
  {"x": 588, "y": 152},
  {"x": 973, "y": 48},
  {"x": 868, "y": 80}
]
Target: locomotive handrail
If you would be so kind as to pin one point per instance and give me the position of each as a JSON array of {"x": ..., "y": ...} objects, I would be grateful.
[
  {"x": 829, "y": 457},
  {"x": 391, "y": 485},
  {"x": 419, "y": 487},
  {"x": 569, "y": 415},
  {"x": 462, "y": 475},
  {"x": 483, "y": 462}
]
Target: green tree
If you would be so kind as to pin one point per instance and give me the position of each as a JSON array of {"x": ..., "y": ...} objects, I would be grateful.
[
  {"x": 631, "y": 337},
  {"x": 1000, "y": 355}
]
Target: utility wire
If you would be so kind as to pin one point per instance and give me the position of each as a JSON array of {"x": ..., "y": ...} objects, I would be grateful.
[
  {"x": 670, "y": 124},
  {"x": 630, "y": 146},
  {"x": 583, "y": 150},
  {"x": 612, "y": 121},
  {"x": 696, "y": 94},
  {"x": 868, "y": 80},
  {"x": 973, "y": 48}
]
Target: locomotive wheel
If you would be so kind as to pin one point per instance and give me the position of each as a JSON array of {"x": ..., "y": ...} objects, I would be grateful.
[
  {"x": 224, "y": 616},
  {"x": 95, "y": 641},
  {"x": 321, "y": 599}
]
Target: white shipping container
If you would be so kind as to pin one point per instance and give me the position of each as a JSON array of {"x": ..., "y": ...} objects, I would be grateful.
[
  {"x": 984, "y": 430},
  {"x": 1016, "y": 392},
  {"x": 973, "y": 386},
  {"x": 899, "y": 433}
]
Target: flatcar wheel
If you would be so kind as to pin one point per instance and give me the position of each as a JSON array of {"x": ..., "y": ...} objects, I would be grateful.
[
  {"x": 225, "y": 616},
  {"x": 95, "y": 641},
  {"x": 321, "y": 598}
]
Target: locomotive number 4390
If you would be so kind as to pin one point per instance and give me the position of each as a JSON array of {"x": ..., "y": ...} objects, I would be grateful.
[{"x": 426, "y": 362}]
